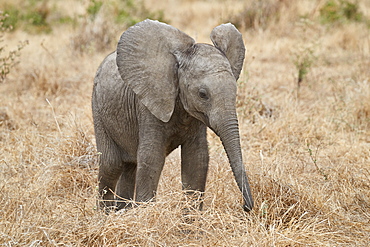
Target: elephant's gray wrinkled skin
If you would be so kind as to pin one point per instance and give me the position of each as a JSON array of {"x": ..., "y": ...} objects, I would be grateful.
[{"x": 160, "y": 90}]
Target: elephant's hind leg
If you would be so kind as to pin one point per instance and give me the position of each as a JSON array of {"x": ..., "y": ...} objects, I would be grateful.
[
  {"x": 110, "y": 169},
  {"x": 126, "y": 185}
]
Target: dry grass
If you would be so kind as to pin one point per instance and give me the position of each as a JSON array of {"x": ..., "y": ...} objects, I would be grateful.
[{"x": 307, "y": 154}]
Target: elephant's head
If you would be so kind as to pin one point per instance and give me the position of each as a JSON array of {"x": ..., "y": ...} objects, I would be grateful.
[{"x": 160, "y": 63}]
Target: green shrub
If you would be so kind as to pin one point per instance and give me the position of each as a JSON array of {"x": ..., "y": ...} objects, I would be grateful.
[
  {"x": 126, "y": 12},
  {"x": 12, "y": 18},
  {"x": 31, "y": 16},
  {"x": 34, "y": 16},
  {"x": 39, "y": 16},
  {"x": 336, "y": 11},
  {"x": 93, "y": 8},
  {"x": 351, "y": 11},
  {"x": 130, "y": 12},
  {"x": 104, "y": 20},
  {"x": 11, "y": 58}
]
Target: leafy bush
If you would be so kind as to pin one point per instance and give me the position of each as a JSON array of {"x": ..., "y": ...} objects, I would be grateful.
[
  {"x": 32, "y": 16},
  {"x": 130, "y": 12},
  {"x": 39, "y": 16},
  {"x": 11, "y": 21},
  {"x": 126, "y": 12},
  {"x": 9, "y": 60},
  {"x": 102, "y": 22},
  {"x": 334, "y": 11},
  {"x": 93, "y": 8}
]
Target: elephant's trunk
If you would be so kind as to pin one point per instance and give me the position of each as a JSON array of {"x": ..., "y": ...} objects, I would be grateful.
[{"x": 228, "y": 131}]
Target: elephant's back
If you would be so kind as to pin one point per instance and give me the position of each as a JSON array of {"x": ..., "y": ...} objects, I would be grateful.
[{"x": 107, "y": 82}]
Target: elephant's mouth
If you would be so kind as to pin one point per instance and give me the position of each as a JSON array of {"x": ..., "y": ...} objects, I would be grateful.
[{"x": 202, "y": 117}]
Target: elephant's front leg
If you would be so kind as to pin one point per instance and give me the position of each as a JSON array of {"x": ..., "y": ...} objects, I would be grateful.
[
  {"x": 194, "y": 164},
  {"x": 150, "y": 161}
]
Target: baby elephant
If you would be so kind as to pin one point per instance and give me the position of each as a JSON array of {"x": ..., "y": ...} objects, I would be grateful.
[{"x": 160, "y": 90}]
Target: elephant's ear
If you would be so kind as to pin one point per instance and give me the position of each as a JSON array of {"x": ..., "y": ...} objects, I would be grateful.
[
  {"x": 146, "y": 62},
  {"x": 229, "y": 40}
]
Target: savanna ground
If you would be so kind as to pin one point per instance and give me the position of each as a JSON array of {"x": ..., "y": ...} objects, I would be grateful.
[{"x": 304, "y": 112}]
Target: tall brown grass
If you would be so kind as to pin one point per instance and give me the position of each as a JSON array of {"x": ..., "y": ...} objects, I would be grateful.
[{"x": 307, "y": 154}]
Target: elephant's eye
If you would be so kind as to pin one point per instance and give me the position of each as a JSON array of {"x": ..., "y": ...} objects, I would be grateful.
[{"x": 203, "y": 94}]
